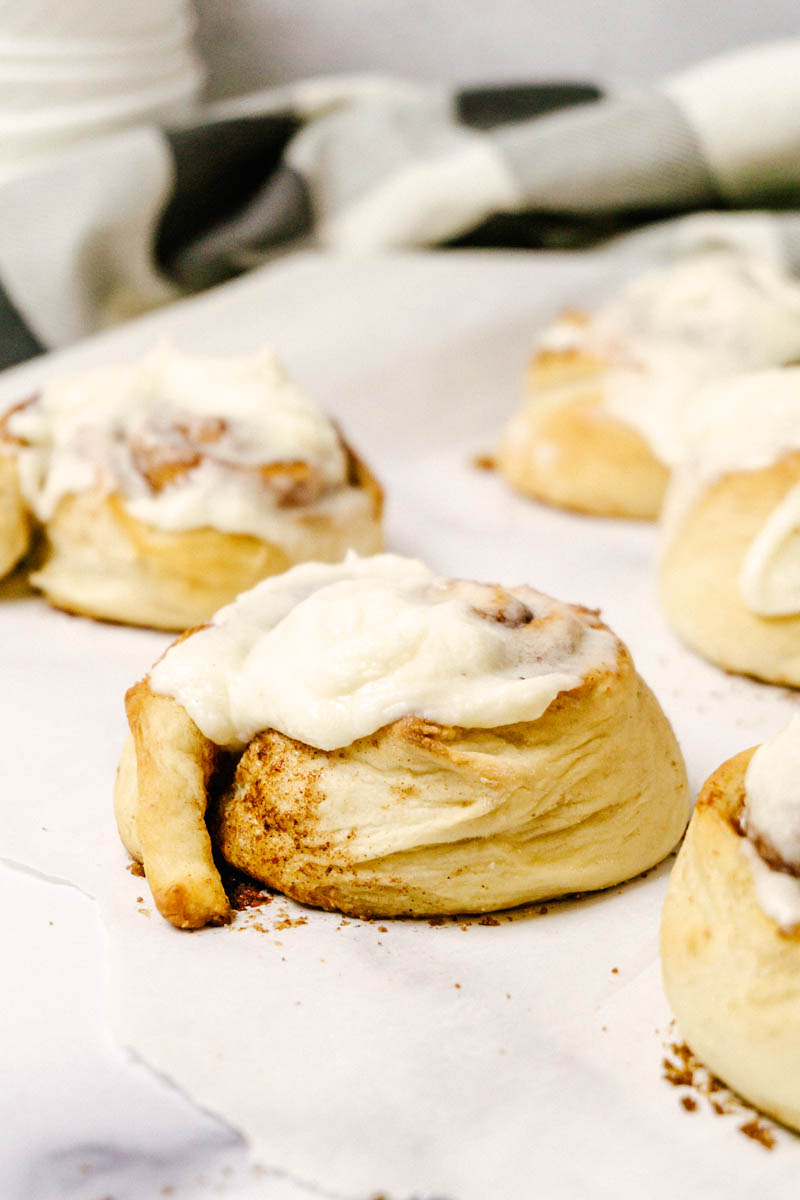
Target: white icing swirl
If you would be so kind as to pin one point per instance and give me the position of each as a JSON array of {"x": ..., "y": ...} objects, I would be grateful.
[
  {"x": 181, "y": 440},
  {"x": 329, "y": 654},
  {"x": 772, "y": 816},
  {"x": 769, "y": 581},
  {"x": 708, "y": 316},
  {"x": 738, "y": 425}
]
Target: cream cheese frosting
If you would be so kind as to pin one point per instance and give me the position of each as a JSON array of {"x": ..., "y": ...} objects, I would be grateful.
[
  {"x": 181, "y": 439},
  {"x": 769, "y": 581},
  {"x": 328, "y": 654},
  {"x": 737, "y": 425},
  {"x": 707, "y": 316},
  {"x": 772, "y": 818}
]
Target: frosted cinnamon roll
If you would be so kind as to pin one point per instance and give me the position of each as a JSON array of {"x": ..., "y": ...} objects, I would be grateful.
[
  {"x": 370, "y": 738},
  {"x": 602, "y": 424},
  {"x": 730, "y": 934},
  {"x": 165, "y": 488},
  {"x": 729, "y": 575}
]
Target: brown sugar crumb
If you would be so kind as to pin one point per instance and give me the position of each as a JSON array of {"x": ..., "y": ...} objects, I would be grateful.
[
  {"x": 488, "y": 921},
  {"x": 457, "y": 985},
  {"x": 136, "y": 869},
  {"x": 244, "y": 893},
  {"x": 676, "y": 1075},
  {"x": 382, "y": 929},
  {"x": 287, "y": 922},
  {"x": 682, "y": 1069},
  {"x": 484, "y": 462},
  {"x": 759, "y": 1132},
  {"x": 615, "y": 970}
]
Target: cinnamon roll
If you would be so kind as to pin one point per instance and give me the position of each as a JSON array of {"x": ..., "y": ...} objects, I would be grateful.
[
  {"x": 166, "y": 488},
  {"x": 729, "y": 575},
  {"x": 370, "y": 738},
  {"x": 730, "y": 933},
  {"x": 606, "y": 395}
]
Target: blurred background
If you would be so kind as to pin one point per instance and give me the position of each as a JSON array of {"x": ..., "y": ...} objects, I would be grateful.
[
  {"x": 257, "y": 43},
  {"x": 150, "y": 148}
]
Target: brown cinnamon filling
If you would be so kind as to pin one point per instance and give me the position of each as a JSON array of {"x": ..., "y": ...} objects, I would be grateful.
[
  {"x": 765, "y": 851},
  {"x": 490, "y": 602},
  {"x": 162, "y": 465},
  {"x": 293, "y": 483},
  {"x": 5, "y": 433},
  {"x": 507, "y": 610},
  {"x": 771, "y": 857}
]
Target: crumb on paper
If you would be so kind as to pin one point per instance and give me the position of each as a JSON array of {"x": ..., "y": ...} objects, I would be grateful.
[
  {"x": 136, "y": 868},
  {"x": 758, "y": 1131},
  {"x": 287, "y": 922},
  {"x": 244, "y": 893},
  {"x": 484, "y": 462},
  {"x": 681, "y": 1069}
]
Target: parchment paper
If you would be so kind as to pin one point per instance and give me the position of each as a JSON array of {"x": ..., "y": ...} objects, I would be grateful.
[{"x": 463, "y": 1059}]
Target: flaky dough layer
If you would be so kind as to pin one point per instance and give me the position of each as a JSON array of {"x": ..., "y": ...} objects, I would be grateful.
[
  {"x": 699, "y": 576},
  {"x": 564, "y": 448},
  {"x": 14, "y": 523},
  {"x": 731, "y": 977},
  {"x": 102, "y": 562},
  {"x": 420, "y": 819}
]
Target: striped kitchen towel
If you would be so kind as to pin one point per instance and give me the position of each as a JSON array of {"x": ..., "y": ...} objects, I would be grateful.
[{"x": 115, "y": 225}]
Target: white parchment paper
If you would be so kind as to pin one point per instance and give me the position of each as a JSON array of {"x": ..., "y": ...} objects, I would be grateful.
[{"x": 461, "y": 1059}]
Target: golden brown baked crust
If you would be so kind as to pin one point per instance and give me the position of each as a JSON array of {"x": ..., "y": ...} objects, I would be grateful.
[
  {"x": 420, "y": 819},
  {"x": 730, "y": 975},
  {"x": 564, "y": 448},
  {"x": 102, "y": 562},
  {"x": 174, "y": 764},
  {"x": 699, "y": 576},
  {"x": 15, "y": 530}
]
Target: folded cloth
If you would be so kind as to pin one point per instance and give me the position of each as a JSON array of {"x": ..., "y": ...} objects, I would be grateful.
[{"x": 116, "y": 225}]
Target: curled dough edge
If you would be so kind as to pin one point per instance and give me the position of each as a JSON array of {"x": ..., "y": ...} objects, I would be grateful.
[{"x": 161, "y": 804}]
